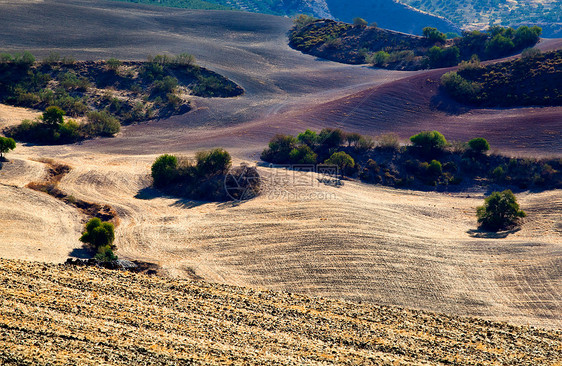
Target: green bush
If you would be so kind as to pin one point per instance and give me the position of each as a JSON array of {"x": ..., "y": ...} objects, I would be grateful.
[
  {"x": 479, "y": 145},
  {"x": 113, "y": 64},
  {"x": 499, "y": 212},
  {"x": 164, "y": 170},
  {"x": 342, "y": 160},
  {"x": 360, "y": 22},
  {"x": 429, "y": 142},
  {"x": 279, "y": 149},
  {"x": 214, "y": 162},
  {"x": 434, "y": 35},
  {"x": 6, "y": 144},
  {"x": 102, "y": 124},
  {"x": 303, "y": 155},
  {"x": 331, "y": 138},
  {"x": 98, "y": 234},
  {"x": 309, "y": 138},
  {"x": 53, "y": 116}
]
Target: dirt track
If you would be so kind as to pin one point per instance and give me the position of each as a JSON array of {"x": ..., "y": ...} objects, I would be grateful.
[{"x": 365, "y": 244}]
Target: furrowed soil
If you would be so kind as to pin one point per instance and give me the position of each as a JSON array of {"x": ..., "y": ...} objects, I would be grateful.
[
  {"x": 55, "y": 315},
  {"x": 357, "y": 242}
]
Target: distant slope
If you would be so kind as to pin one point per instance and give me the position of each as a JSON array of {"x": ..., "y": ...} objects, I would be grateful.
[
  {"x": 388, "y": 14},
  {"x": 55, "y": 315},
  {"x": 479, "y": 13}
]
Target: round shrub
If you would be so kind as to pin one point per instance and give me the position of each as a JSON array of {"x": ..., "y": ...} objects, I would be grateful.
[
  {"x": 429, "y": 142},
  {"x": 213, "y": 162},
  {"x": 6, "y": 144},
  {"x": 99, "y": 234},
  {"x": 164, "y": 170},
  {"x": 500, "y": 211},
  {"x": 53, "y": 116},
  {"x": 479, "y": 145}
]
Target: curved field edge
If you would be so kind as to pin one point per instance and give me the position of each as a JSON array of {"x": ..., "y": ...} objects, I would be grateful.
[{"x": 94, "y": 316}]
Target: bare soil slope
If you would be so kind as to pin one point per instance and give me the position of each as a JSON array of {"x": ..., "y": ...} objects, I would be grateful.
[{"x": 52, "y": 315}]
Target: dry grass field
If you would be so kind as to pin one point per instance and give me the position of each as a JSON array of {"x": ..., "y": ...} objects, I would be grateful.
[
  {"x": 357, "y": 242},
  {"x": 51, "y": 315}
]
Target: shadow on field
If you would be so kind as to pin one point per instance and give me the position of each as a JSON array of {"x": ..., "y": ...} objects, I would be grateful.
[
  {"x": 82, "y": 253},
  {"x": 483, "y": 234},
  {"x": 149, "y": 193}
]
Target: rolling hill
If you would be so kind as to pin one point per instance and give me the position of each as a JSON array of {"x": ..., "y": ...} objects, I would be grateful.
[{"x": 358, "y": 242}]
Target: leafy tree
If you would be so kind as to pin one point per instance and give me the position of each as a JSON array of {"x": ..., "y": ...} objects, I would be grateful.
[
  {"x": 499, "y": 46},
  {"x": 213, "y": 162},
  {"x": 479, "y": 145},
  {"x": 429, "y": 142},
  {"x": 342, "y": 160},
  {"x": 500, "y": 211},
  {"x": 102, "y": 123},
  {"x": 53, "y": 116},
  {"x": 303, "y": 155},
  {"x": 164, "y": 170},
  {"x": 434, "y": 35},
  {"x": 330, "y": 138},
  {"x": 308, "y": 137},
  {"x": 6, "y": 144},
  {"x": 360, "y": 22},
  {"x": 99, "y": 234},
  {"x": 279, "y": 149}
]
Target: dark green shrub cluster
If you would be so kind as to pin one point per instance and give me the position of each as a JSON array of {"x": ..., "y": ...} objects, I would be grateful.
[
  {"x": 52, "y": 129},
  {"x": 100, "y": 237},
  {"x": 310, "y": 147},
  {"x": 430, "y": 161},
  {"x": 499, "y": 212},
  {"x": 531, "y": 80},
  {"x": 356, "y": 44},
  {"x": 206, "y": 178}
]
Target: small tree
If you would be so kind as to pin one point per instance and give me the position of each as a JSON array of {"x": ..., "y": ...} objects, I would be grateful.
[
  {"x": 434, "y": 35},
  {"x": 100, "y": 236},
  {"x": 164, "y": 170},
  {"x": 279, "y": 149},
  {"x": 303, "y": 155},
  {"x": 479, "y": 145},
  {"x": 500, "y": 211},
  {"x": 53, "y": 116},
  {"x": 360, "y": 22},
  {"x": 330, "y": 138},
  {"x": 429, "y": 142},
  {"x": 6, "y": 144},
  {"x": 342, "y": 160},
  {"x": 308, "y": 137}
]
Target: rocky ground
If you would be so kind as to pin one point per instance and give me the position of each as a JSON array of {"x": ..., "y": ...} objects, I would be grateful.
[{"x": 52, "y": 314}]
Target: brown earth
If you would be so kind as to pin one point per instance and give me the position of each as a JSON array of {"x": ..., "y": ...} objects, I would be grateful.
[{"x": 359, "y": 242}]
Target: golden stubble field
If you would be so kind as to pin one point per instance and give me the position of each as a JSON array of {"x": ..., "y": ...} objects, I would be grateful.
[{"x": 357, "y": 242}]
